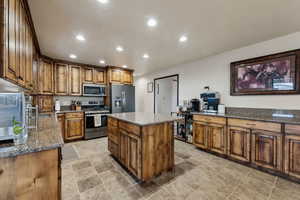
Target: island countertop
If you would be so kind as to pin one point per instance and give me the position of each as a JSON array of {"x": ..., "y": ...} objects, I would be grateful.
[
  {"x": 144, "y": 118},
  {"x": 47, "y": 136}
]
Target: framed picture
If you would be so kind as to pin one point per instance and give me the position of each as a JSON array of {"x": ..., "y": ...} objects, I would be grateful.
[
  {"x": 150, "y": 87},
  {"x": 267, "y": 75}
]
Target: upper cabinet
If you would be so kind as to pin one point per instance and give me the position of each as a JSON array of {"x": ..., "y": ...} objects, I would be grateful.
[
  {"x": 119, "y": 75},
  {"x": 88, "y": 74},
  {"x": 46, "y": 79},
  {"x": 18, "y": 46},
  {"x": 61, "y": 79},
  {"x": 75, "y": 80},
  {"x": 99, "y": 76}
]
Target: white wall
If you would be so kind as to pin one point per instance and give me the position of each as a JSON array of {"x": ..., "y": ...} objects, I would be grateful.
[{"x": 214, "y": 71}]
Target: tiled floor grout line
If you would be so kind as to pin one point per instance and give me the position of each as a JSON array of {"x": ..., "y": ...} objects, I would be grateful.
[
  {"x": 237, "y": 185},
  {"x": 272, "y": 189}
]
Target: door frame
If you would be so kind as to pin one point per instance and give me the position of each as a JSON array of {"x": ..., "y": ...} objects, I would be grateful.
[{"x": 164, "y": 77}]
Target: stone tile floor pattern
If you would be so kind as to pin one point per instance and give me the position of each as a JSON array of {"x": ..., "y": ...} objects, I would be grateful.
[{"x": 90, "y": 173}]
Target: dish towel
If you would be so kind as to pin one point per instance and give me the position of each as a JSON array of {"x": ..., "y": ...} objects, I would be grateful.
[{"x": 97, "y": 120}]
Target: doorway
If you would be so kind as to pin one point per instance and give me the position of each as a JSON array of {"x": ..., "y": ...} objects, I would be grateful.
[{"x": 166, "y": 94}]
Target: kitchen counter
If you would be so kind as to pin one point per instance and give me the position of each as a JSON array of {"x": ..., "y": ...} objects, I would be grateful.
[
  {"x": 266, "y": 115},
  {"x": 48, "y": 136},
  {"x": 68, "y": 111},
  {"x": 143, "y": 119}
]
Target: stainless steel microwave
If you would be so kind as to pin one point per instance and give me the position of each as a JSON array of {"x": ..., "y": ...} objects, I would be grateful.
[{"x": 94, "y": 90}]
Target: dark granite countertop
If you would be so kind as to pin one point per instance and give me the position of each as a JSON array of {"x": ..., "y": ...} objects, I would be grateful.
[
  {"x": 266, "y": 115},
  {"x": 68, "y": 111},
  {"x": 48, "y": 136},
  {"x": 144, "y": 119}
]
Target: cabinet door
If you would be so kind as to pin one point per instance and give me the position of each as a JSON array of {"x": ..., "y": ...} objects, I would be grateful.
[
  {"x": 127, "y": 77},
  {"x": 11, "y": 71},
  {"x": 28, "y": 57},
  {"x": 266, "y": 149},
  {"x": 74, "y": 128},
  {"x": 75, "y": 80},
  {"x": 292, "y": 155},
  {"x": 61, "y": 121},
  {"x": 88, "y": 74},
  {"x": 99, "y": 76},
  {"x": 22, "y": 47},
  {"x": 113, "y": 148},
  {"x": 239, "y": 143},
  {"x": 116, "y": 75},
  {"x": 46, "y": 77},
  {"x": 45, "y": 104},
  {"x": 123, "y": 147},
  {"x": 61, "y": 79},
  {"x": 134, "y": 152},
  {"x": 200, "y": 135},
  {"x": 217, "y": 138}
]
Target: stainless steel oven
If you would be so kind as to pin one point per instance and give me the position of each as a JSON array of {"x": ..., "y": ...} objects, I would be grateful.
[
  {"x": 95, "y": 129},
  {"x": 94, "y": 90}
]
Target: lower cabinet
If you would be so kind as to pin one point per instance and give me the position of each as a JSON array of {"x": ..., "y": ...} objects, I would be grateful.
[
  {"x": 292, "y": 151},
  {"x": 72, "y": 125},
  {"x": 266, "y": 149},
  {"x": 238, "y": 143},
  {"x": 210, "y": 136}
]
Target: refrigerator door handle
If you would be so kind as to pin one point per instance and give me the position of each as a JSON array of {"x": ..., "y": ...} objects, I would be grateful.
[{"x": 124, "y": 98}]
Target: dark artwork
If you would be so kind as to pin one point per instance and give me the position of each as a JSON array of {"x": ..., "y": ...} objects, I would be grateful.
[{"x": 265, "y": 76}]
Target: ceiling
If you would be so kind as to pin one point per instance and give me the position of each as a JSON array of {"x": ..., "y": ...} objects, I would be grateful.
[{"x": 212, "y": 27}]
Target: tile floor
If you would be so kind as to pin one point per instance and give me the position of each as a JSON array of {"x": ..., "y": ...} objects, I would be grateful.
[{"x": 90, "y": 173}]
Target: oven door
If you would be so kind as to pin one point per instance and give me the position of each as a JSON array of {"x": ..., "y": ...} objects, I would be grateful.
[{"x": 91, "y": 131}]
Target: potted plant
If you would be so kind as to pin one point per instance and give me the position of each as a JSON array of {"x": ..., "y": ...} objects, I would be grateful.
[{"x": 18, "y": 132}]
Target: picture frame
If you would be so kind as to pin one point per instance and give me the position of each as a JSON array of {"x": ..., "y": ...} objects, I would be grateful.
[
  {"x": 275, "y": 74},
  {"x": 150, "y": 87}
]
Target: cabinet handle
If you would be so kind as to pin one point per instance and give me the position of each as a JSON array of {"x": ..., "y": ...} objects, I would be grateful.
[{"x": 1, "y": 171}]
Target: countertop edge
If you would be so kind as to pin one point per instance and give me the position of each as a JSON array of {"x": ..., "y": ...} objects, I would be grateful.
[
  {"x": 281, "y": 120},
  {"x": 143, "y": 124}
]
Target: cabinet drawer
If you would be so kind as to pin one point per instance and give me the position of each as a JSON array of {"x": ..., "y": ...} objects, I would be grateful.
[
  {"x": 113, "y": 134},
  {"x": 74, "y": 115},
  {"x": 268, "y": 126},
  {"x": 112, "y": 121},
  {"x": 292, "y": 129},
  {"x": 130, "y": 128},
  {"x": 113, "y": 148},
  {"x": 210, "y": 119}
]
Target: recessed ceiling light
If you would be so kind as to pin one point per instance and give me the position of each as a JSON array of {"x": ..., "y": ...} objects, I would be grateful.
[
  {"x": 125, "y": 66},
  {"x": 152, "y": 22},
  {"x": 80, "y": 37},
  {"x": 119, "y": 49},
  {"x": 183, "y": 38},
  {"x": 145, "y": 56},
  {"x": 103, "y": 1},
  {"x": 73, "y": 56},
  {"x": 102, "y": 61}
]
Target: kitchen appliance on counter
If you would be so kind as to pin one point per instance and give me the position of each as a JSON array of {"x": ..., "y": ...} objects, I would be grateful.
[
  {"x": 95, "y": 119},
  {"x": 211, "y": 101},
  {"x": 122, "y": 98},
  {"x": 195, "y": 105},
  {"x": 94, "y": 90},
  {"x": 31, "y": 113}
]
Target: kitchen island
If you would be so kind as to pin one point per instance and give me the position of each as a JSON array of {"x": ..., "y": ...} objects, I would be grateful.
[
  {"x": 142, "y": 142},
  {"x": 32, "y": 170}
]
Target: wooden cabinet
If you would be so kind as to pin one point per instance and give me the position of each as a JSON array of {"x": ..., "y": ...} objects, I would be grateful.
[
  {"x": 31, "y": 176},
  {"x": 116, "y": 75},
  {"x": 88, "y": 75},
  {"x": 127, "y": 77},
  {"x": 46, "y": 78},
  {"x": 238, "y": 143},
  {"x": 61, "y": 121},
  {"x": 61, "y": 79},
  {"x": 200, "y": 138},
  {"x": 292, "y": 151},
  {"x": 266, "y": 149},
  {"x": 45, "y": 103},
  {"x": 145, "y": 151},
  {"x": 75, "y": 80},
  {"x": 99, "y": 76},
  {"x": 209, "y": 135},
  {"x": 74, "y": 126}
]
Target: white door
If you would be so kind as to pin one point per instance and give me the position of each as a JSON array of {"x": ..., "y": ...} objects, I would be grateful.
[{"x": 166, "y": 90}]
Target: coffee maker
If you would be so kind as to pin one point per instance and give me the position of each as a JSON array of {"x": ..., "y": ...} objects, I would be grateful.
[
  {"x": 211, "y": 101},
  {"x": 195, "y": 105}
]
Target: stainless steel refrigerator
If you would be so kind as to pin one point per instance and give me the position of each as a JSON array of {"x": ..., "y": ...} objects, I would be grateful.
[{"x": 122, "y": 98}]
